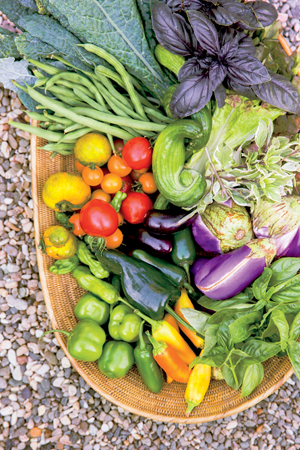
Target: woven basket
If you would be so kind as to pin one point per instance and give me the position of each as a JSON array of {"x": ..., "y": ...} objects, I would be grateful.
[{"x": 61, "y": 294}]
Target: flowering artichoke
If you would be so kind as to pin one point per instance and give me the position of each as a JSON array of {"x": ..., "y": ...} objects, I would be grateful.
[
  {"x": 222, "y": 227},
  {"x": 280, "y": 221}
]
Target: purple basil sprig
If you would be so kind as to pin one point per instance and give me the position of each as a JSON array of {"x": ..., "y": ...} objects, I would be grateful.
[
  {"x": 249, "y": 16},
  {"x": 217, "y": 58}
]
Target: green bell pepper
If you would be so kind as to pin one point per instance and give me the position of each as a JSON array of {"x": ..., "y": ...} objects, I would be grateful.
[
  {"x": 124, "y": 325},
  {"x": 148, "y": 368},
  {"x": 63, "y": 266},
  {"x": 85, "y": 341},
  {"x": 91, "y": 307},
  {"x": 100, "y": 288},
  {"x": 86, "y": 257},
  {"x": 116, "y": 360}
]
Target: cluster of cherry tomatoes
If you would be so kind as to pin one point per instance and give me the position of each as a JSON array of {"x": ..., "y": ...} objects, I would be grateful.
[{"x": 127, "y": 171}]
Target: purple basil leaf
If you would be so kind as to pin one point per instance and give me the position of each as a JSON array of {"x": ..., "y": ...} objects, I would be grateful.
[
  {"x": 279, "y": 92},
  {"x": 206, "y": 62},
  {"x": 191, "y": 96},
  {"x": 205, "y": 32},
  {"x": 220, "y": 94},
  {"x": 240, "y": 89},
  {"x": 190, "y": 68},
  {"x": 228, "y": 12},
  {"x": 247, "y": 70},
  {"x": 172, "y": 31},
  {"x": 229, "y": 50},
  {"x": 217, "y": 74},
  {"x": 246, "y": 45},
  {"x": 265, "y": 13},
  {"x": 226, "y": 34}
]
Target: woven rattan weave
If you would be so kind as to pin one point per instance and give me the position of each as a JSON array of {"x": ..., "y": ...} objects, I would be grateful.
[{"x": 61, "y": 294}]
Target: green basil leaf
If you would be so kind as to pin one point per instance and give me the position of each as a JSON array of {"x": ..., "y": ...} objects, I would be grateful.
[
  {"x": 223, "y": 333},
  {"x": 210, "y": 339},
  {"x": 270, "y": 330},
  {"x": 239, "y": 329},
  {"x": 293, "y": 352},
  {"x": 289, "y": 292},
  {"x": 290, "y": 308},
  {"x": 259, "y": 351},
  {"x": 219, "y": 305},
  {"x": 215, "y": 358},
  {"x": 280, "y": 321},
  {"x": 284, "y": 269},
  {"x": 253, "y": 377},
  {"x": 233, "y": 375},
  {"x": 295, "y": 328},
  {"x": 197, "y": 319},
  {"x": 260, "y": 285},
  {"x": 260, "y": 304}
]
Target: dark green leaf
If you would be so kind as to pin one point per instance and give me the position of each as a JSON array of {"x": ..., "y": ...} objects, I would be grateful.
[
  {"x": 293, "y": 352},
  {"x": 260, "y": 305},
  {"x": 260, "y": 285},
  {"x": 290, "y": 308},
  {"x": 197, "y": 319},
  {"x": 283, "y": 269},
  {"x": 239, "y": 329},
  {"x": 32, "y": 47},
  {"x": 8, "y": 47},
  {"x": 270, "y": 330},
  {"x": 259, "y": 351},
  {"x": 290, "y": 292},
  {"x": 14, "y": 10},
  {"x": 29, "y": 4},
  {"x": 253, "y": 377},
  {"x": 144, "y": 7},
  {"x": 280, "y": 321},
  {"x": 295, "y": 328}
]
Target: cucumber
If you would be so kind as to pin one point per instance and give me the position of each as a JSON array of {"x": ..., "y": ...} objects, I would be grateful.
[{"x": 167, "y": 59}]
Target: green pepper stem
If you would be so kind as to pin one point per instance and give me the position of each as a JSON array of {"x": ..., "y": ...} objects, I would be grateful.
[
  {"x": 153, "y": 323},
  {"x": 188, "y": 287},
  {"x": 191, "y": 406},
  {"x": 67, "y": 333},
  {"x": 64, "y": 206},
  {"x": 186, "y": 267},
  {"x": 142, "y": 344},
  {"x": 178, "y": 318},
  {"x": 158, "y": 347}
]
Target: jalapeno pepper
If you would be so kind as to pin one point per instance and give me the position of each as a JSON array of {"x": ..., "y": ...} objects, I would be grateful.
[
  {"x": 184, "y": 252},
  {"x": 124, "y": 324},
  {"x": 116, "y": 360},
  {"x": 91, "y": 307},
  {"x": 148, "y": 368},
  {"x": 85, "y": 341}
]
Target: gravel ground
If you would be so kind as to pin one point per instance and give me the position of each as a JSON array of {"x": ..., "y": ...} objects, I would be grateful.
[{"x": 44, "y": 403}]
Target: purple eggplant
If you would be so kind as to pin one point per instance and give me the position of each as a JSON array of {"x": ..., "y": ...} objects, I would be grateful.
[
  {"x": 197, "y": 264},
  {"x": 166, "y": 222},
  {"x": 280, "y": 221},
  {"x": 222, "y": 227},
  {"x": 141, "y": 238},
  {"x": 227, "y": 275}
]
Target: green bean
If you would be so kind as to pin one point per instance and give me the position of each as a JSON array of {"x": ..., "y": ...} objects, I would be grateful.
[
  {"x": 122, "y": 71},
  {"x": 40, "y": 82},
  {"x": 56, "y": 127},
  {"x": 158, "y": 115},
  {"x": 59, "y": 108},
  {"x": 121, "y": 121},
  {"x": 51, "y": 70},
  {"x": 57, "y": 147},
  {"x": 76, "y": 126},
  {"x": 35, "y": 116},
  {"x": 89, "y": 101},
  {"x": 54, "y": 118},
  {"x": 108, "y": 84},
  {"x": 116, "y": 77},
  {"x": 75, "y": 135},
  {"x": 109, "y": 99},
  {"x": 112, "y": 144},
  {"x": 69, "y": 101},
  {"x": 62, "y": 90},
  {"x": 38, "y": 74},
  {"x": 83, "y": 89},
  {"x": 44, "y": 134}
]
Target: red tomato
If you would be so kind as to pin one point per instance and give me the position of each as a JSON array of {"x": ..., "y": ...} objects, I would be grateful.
[
  {"x": 137, "y": 153},
  {"x": 75, "y": 219},
  {"x": 135, "y": 207},
  {"x": 127, "y": 184},
  {"x": 119, "y": 144},
  {"x": 105, "y": 172},
  {"x": 98, "y": 218}
]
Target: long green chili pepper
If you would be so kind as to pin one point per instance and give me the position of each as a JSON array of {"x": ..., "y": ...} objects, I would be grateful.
[
  {"x": 86, "y": 257},
  {"x": 116, "y": 202},
  {"x": 63, "y": 266},
  {"x": 63, "y": 218}
]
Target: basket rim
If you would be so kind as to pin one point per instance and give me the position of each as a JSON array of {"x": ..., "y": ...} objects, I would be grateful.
[{"x": 81, "y": 371}]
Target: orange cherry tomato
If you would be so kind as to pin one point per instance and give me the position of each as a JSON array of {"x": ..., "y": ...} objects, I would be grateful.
[
  {"x": 121, "y": 219},
  {"x": 101, "y": 195},
  {"x": 111, "y": 183},
  {"x": 115, "y": 239},
  {"x": 91, "y": 176},
  {"x": 148, "y": 183},
  {"x": 117, "y": 165},
  {"x": 79, "y": 167},
  {"x": 105, "y": 172},
  {"x": 75, "y": 219}
]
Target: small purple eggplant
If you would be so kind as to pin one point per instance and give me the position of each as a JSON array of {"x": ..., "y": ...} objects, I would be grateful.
[
  {"x": 280, "y": 221},
  {"x": 141, "y": 238},
  {"x": 166, "y": 222},
  {"x": 227, "y": 275},
  {"x": 222, "y": 227}
]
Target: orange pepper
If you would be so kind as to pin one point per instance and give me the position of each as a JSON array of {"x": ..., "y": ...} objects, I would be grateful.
[
  {"x": 185, "y": 302},
  {"x": 169, "y": 361}
]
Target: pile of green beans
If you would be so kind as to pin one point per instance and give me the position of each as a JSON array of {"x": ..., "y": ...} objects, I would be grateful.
[{"x": 106, "y": 101}]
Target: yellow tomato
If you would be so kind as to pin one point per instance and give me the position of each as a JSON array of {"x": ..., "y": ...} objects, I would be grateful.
[{"x": 93, "y": 148}]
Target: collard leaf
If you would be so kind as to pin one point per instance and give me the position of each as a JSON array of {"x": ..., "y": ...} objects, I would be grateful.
[
  {"x": 280, "y": 321},
  {"x": 261, "y": 284},
  {"x": 32, "y": 47},
  {"x": 29, "y": 4},
  {"x": 14, "y": 10},
  {"x": 253, "y": 377},
  {"x": 8, "y": 47},
  {"x": 261, "y": 133},
  {"x": 14, "y": 70},
  {"x": 117, "y": 28},
  {"x": 145, "y": 7},
  {"x": 279, "y": 92}
]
